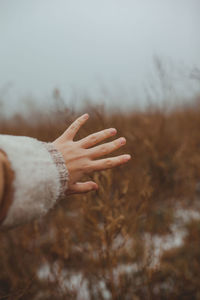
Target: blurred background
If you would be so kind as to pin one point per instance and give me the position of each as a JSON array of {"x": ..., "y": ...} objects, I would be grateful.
[
  {"x": 103, "y": 51},
  {"x": 133, "y": 65}
]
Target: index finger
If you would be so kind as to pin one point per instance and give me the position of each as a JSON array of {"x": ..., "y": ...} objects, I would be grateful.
[{"x": 75, "y": 126}]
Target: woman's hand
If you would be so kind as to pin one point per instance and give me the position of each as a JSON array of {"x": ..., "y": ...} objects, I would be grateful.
[{"x": 80, "y": 157}]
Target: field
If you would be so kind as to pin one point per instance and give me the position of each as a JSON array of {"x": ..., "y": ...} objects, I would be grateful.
[{"x": 137, "y": 237}]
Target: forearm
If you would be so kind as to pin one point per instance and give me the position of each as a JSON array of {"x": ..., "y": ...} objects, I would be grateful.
[{"x": 39, "y": 179}]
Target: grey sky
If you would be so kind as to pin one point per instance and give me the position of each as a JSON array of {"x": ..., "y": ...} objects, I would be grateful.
[{"x": 82, "y": 45}]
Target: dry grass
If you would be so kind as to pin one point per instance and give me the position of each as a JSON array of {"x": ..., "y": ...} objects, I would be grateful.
[{"x": 123, "y": 241}]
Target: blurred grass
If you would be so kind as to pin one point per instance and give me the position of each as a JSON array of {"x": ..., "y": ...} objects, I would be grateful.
[{"x": 128, "y": 240}]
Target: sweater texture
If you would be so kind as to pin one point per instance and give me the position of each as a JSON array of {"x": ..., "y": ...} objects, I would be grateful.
[{"x": 40, "y": 178}]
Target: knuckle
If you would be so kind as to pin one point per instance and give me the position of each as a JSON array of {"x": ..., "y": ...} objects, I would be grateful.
[
  {"x": 109, "y": 163},
  {"x": 88, "y": 170},
  {"x": 76, "y": 124},
  {"x": 116, "y": 143},
  {"x": 87, "y": 167},
  {"x": 104, "y": 149},
  {"x": 106, "y": 133},
  {"x": 93, "y": 138},
  {"x": 73, "y": 127}
]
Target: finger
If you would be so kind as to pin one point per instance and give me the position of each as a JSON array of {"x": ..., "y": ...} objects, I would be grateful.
[
  {"x": 75, "y": 126},
  {"x": 83, "y": 187},
  {"x": 108, "y": 163},
  {"x": 97, "y": 137},
  {"x": 107, "y": 148}
]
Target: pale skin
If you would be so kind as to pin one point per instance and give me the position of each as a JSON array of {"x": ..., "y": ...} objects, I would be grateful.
[{"x": 83, "y": 157}]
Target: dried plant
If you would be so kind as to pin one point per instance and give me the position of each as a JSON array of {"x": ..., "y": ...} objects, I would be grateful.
[{"x": 137, "y": 237}]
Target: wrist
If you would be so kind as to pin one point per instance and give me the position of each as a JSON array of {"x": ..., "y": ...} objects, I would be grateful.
[{"x": 61, "y": 166}]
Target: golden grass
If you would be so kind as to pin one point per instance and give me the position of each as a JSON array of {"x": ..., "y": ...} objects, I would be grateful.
[{"x": 102, "y": 245}]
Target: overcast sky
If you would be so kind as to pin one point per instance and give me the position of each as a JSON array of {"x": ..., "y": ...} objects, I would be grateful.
[{"x": 91, "y": 45}]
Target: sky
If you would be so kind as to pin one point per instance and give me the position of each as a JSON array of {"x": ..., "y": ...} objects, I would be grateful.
[{"x": 97, "y": 48}]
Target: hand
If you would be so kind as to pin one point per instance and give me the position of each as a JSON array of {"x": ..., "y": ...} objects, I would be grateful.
[{"x": 79, "y": 156}]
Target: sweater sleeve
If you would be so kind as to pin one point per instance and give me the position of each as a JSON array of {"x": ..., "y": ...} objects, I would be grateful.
[
  {"x": 40, "y": 178},
  {"x": 6, "y": 185}
]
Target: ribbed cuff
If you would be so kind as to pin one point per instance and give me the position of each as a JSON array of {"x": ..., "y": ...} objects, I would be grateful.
[{"x": 61, "y": 166}]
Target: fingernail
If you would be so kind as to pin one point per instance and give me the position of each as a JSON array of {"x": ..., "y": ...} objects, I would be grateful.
[
  {"x": 85, "y": 116},
  {"x": 127, "y": 157},
  {"x": 122, "y": 141},
  {"x": 113, "y": 131}
]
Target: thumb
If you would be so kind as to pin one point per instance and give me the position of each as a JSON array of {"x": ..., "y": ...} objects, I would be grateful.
[{"x": 83, "y": 187}]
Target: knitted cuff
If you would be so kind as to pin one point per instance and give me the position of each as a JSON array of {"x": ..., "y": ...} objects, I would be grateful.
[{"x": 61, "y": 166}]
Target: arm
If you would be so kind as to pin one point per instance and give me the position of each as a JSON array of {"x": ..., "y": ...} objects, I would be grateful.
[
  {"x": 37, "y": 179},
  {"x": 6, "y": 182},
  {"x": 44, "y": 172}
]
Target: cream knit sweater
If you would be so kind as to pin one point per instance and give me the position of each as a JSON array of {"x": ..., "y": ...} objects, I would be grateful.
[{"x": 40, "y": 180}]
